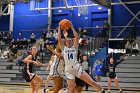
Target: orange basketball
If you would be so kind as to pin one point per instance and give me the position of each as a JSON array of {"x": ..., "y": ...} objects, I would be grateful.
[{"x": 65, "y": 24}]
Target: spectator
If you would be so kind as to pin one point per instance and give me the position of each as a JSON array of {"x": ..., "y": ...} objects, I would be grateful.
[
  {"x": 32, "y": 39},
  {"x": 9, "y": 37},
  {"x": 12, "y": 53},
  {"x": 83, "y": 41},
  {"x": 19, "y": 36},
  {"x": 80, "y": 31},
  {"x": 13, "y": 42},
  {"x": 5, "y": 54},
  {"x": 135, "y": 49},
  {"x": 18, "y": 44},
  {"x": 52, "y": 40},
  {"x": 43, "y": 36},
  {"x": 128, "y": 47},
  {"x": 33, "y": 36},
  {"x": 44, "y": 46},
  {"x": 84, "y": 33},
  {"x": 55, "y": 34},
  {"x": 20, "y": 62},
  {"x": 98, "y": 70},
  {"x": 49, "y": 34},
  {"x": 25, "y": 43},
  {"x": 85, "y": 66}
]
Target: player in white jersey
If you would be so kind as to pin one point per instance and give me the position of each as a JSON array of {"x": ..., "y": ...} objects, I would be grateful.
[
  {"x": 72, "y": 68},
  {"x": 56, "y": 70},
  {"x": 48, "y": 77}
]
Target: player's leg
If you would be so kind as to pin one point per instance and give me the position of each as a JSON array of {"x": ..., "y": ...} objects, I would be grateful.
[
  {"x": 117, "y": 84},
  {"x": 85, "y": 77},
  {"x": 109, "y": 84},
  {"x": 39, "y": 82},
  {"x": 32, "y": 85}
]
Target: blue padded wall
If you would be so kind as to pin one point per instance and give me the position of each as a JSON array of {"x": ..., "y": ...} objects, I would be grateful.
[
  {"x": 4, "y": 19},
  {"x": 121, "y": 16},
  {"x": 4, "y": 23},
  {"x": 24, "y": 19}
]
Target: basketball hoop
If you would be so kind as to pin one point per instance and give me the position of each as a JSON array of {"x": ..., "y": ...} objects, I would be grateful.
[{"x": 82, "y": 6}]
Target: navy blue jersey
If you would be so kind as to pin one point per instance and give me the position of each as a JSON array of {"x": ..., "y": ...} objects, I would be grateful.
[
  {"x": 31, "y": 64},
  {"x": 111, "y": 67}
]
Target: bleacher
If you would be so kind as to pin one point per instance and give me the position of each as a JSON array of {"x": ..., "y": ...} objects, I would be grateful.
[
  {"x": 128, "y": 73},
  {"x": 10, "y": 72}
]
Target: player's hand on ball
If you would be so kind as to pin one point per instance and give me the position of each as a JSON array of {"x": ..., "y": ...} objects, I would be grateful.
[{"x": 65, "y": 33}]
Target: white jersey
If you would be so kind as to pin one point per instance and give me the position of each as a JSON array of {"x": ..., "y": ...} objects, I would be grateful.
[
  {"x": 56, "y": 67},
  {"x": 50, "y": 62},
  {"x": 84, "y": 65},
  {"x": 70, "y": 56}
]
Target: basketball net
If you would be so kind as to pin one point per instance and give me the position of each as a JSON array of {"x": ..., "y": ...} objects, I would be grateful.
[{"x": 82, "y": 6}]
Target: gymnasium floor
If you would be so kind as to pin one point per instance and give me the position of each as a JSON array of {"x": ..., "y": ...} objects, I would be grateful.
[{"x": 26, "y": 89}]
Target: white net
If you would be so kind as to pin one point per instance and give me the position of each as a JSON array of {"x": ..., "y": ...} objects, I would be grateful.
[
  {"x": 32, "y": 4},
  {"x": 82, "y": 6}
]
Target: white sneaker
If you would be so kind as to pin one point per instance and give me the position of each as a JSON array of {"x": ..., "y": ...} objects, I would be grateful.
[
  {"x": 45, "y": 90},
  {"x": 66, "y": 91}
]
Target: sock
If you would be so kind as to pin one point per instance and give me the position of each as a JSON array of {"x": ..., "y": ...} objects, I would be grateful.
[
  {"x": 102, "y": 89},
  {"x": 66, "y": 91},
  {"x": 108, "y": 90},
  {"x": 120, "y": 90},
  {"x": 35, "y": 91}
]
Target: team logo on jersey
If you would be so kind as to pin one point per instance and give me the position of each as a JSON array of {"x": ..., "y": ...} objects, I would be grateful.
[{"x": 69, "y": 51}]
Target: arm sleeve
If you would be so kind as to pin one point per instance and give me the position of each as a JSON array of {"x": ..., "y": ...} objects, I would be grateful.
[{"x": 119, "y": 62}]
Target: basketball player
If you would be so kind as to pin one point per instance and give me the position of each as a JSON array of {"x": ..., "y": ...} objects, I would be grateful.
[
  {"x": 56, "y": 70},
  {"x": 48, "y": 77},
  {"x": 112, "y": 73},
  {"x": 28, "y": 73},
  {"x": 72, "y": 68}
]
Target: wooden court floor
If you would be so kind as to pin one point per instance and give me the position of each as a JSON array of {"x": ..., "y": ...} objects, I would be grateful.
[{"x": 26, "y": 89}]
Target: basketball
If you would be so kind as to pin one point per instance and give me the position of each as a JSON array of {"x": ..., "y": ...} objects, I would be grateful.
[{"x": 65, "y": 24}]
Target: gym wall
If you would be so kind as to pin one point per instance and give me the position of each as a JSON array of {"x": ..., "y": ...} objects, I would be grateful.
[{"x": 24, "y": 19}]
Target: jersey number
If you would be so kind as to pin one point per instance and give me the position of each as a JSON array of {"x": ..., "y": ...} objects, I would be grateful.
[{"x": 70, "y": 56}]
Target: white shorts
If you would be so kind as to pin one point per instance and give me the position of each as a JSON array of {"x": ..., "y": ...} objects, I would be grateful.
[
  {"x": 73, "y": 71},
  {"x": 55, "y": 70}
]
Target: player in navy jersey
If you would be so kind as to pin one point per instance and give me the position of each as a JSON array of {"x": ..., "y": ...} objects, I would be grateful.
[
  {"x": 29, "y": 75},
  {"x": 112, "y": 73}
]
